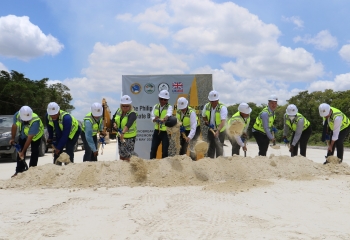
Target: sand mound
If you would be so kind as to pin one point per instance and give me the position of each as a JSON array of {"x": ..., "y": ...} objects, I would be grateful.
[
  {"x": 201, "y": 147},
  {"x": 172, "y": 171},
  {"x": 333, "y": 159}
]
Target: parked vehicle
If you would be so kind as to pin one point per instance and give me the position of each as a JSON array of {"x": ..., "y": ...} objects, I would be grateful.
[{"x": 5, "y": 136}]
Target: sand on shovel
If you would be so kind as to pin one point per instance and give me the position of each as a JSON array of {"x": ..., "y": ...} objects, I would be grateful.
[
  {"x": 236, "y": 128},
  {"x": 63, "y": 158},
  {"x": 201, "y": 147},
  {"x": 333, "y": 159}
]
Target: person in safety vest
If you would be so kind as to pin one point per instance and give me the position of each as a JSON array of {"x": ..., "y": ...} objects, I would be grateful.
[
  {"x": 66, "y": 129},
  {"x": 92, "y": 125},
  {"x": 214, "y": 116},
  {"x": 160, "y": 113},
  {"x": 242, "y": 115},
  {"x": 263, "y": 126},
  {"x": 338, "y": 123},
  {"x": 190, "y": 129},
  {"x": 126, "y": 124},
  {"x": 30, "y": 129},
  {"x": 301, "y": 129}
]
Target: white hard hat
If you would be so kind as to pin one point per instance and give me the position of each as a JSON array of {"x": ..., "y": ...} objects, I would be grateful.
[
  {"x": 182, "y": 103},
  {"x": 273, "y": 98},
  {"x": 244, "y": 108},
  {"x": 164, "y": 94},
  {"x": 126, "y": 99},
  {"x": 324, "y": 109},
  {"x": 26, "y": 113},
  {"x": 292, "y": 109},
  {"x": 96, "y": 109},
  {"x": 53, "y": 108},
  {"x": 213, "y": 96}
]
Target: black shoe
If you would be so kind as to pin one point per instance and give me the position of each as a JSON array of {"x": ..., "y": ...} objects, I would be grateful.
[
  {"x": 325, "y": 162},
  {"x": 14, "y": 175}
]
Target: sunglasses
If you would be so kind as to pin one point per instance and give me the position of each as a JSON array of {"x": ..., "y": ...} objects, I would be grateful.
[
  {"x": 163, "y": 99},
  {"x": 125, "y": 106}
]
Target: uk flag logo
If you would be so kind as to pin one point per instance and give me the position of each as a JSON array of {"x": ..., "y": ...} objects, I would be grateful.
[{"x": 177, "y": 87}]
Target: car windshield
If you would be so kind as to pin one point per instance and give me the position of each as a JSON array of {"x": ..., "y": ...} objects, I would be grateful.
[{"x": 5, "y": 121}]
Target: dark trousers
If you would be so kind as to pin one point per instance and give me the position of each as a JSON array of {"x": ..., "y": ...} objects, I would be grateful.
[
  {"x": 216, "y": 146},
  {"x": 157, "y": 138},
  {"x": 21, "y": 165},
  {"x": 89, "y": 154},
  {"x": 70, "y": 145},
  {"x": 263, "y": 142},
  {"x": 235, "y": 146},
  {"x": 304, "y": 138},
  {"x": 339, "y": 144},
  {"x": 184, "y": 144}
]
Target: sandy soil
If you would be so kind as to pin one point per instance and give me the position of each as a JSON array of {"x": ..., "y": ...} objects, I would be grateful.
[{"x": 274, "y": 197}]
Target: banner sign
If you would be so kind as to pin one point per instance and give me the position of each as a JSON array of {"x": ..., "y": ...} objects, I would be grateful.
[{"x": 144, "y": 90}]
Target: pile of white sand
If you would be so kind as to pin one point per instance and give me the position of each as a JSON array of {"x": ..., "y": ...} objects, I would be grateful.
[{"x": 237, "y": 172}]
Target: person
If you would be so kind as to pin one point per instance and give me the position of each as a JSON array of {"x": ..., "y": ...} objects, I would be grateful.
[
  {"x": 31, "y": 130},
  {"x": 66, "y": 129},
  {"x": 339, "y": 125},
  {"x": 264, "y": 125},
  {"x": 242, "y": 115},
  {"x": 190, "y": 125},
  {"x": 92, "y": 125},
  {"x": 301, "y": 130},
  {"x": 125, "y": 122},
  {"x": 160, "y": 114},
  {"x": 214, "y": 115}
]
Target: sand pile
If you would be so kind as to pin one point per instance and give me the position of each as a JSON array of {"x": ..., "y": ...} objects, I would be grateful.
[{"x": 173, "y": 171}]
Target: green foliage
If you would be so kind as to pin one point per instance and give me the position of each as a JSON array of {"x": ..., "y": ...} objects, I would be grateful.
[{"x": 16, "y": 91}]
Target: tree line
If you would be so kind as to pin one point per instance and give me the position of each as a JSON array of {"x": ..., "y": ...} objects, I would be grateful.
[{"x": 16, "y": 91}]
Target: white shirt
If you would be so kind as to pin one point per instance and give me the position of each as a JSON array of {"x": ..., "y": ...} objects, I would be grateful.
[
  {"x": 193, "y": 123},
  {"x": 337, "y": 124}
]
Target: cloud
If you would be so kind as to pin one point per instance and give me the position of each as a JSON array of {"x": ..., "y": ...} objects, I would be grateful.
[
  {"x": 232, "y": 32},
  {"x": 3, "y": 67},
  {"x": 21, "y": 39},
  {"x": 246, "y": 90},
  {"x": 107, "y": 64},
  {"x": 322, "y": 41},
  {"x": 344, "y": 52},
  {"x": 295, "y": 20},
  {"x": 340, "y": 83}
]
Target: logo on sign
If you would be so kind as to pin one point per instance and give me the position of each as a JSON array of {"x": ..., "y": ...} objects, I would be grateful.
[
  {"x": 177, "y": 87},
  {"x": 163, "y": 86},
  {"x": 149, "y": 88},
  {"x": 135, "y": 88}
]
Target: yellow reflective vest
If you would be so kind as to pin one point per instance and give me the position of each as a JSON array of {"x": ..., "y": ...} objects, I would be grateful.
[
  {"x": 293, "y": 124},
  {"x": 208, "y": 108},
  {"x": 122, "y": 121},
  {"x": 35, "y": 118},
  {"x": 74, "y": 127},
  {"x": 258, "y": 125},
  {"x": 335, "y": 113}
]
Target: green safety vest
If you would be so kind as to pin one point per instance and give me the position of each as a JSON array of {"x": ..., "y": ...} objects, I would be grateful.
[
  {"x": 95, "y": 125},
  {"x": 74, "y": 127},
  {"x": 208, "y": 107},
  {"x": 35, "y": 118},
  {"x": 293, "y": 124},
  {"x": 161, "y": 115},
  {"x": 121, "y": 122},
  {"x": 258, "y": 125},
  {"x": 237, "y": 116},
  {"x": 335, "y": 113},
  {"x": 186, "y": 121}
]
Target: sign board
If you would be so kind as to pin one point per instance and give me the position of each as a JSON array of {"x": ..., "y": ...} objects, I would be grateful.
[{"x": 144, "y": 90}]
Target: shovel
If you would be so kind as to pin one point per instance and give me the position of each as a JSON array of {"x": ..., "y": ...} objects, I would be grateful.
[
  {"x": 18, "y": 150},
  {"x": 217, "y": 141},
  {"x": 274, "y": 146}
]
